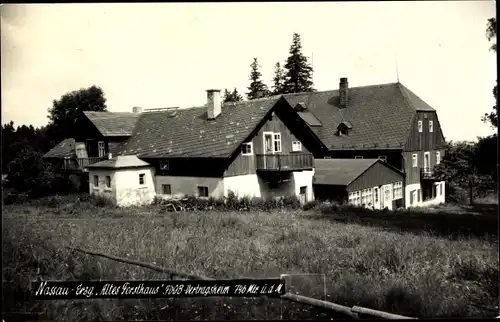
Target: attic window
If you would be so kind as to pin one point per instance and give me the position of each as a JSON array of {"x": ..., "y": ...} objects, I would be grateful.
[
  {"x": 300, "y": 107},
  {"x": 247, "y": 148},
  {"x": 344, "y": 127},
  {"x": 383, "y": 158},
  {"x": 164, "y": 165},
  {"x": 358, "y": 157}
]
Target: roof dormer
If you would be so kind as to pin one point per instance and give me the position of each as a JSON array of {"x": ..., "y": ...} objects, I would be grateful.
[
  {"x": 300, "y": 107},
  {"x": 344, "y": 128}
]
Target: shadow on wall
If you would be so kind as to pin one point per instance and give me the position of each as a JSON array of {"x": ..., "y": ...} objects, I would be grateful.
[{"x": 277, "y": 189}]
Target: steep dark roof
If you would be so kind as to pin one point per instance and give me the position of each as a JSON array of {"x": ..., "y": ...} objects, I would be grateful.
[
  {"x": 65, "y": 148},
  {"x": 113, "y": 123},
  {"x": 188, "y": 133},
  {"x": 380, "y": 115},
  {"x": 340, "y": 171}
]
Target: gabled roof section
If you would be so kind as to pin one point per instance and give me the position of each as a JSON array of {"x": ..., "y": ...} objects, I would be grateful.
[
  {"x": 342, "y": 172},
  {"x": 414, "y": 101},
  {"x": 121, "y": 161},
  {"x": 380, "y": 116},
  {"x": 65, "y": 148},
  {"x": 188, "y": 133},
  {"x": 113, "y": 123}
]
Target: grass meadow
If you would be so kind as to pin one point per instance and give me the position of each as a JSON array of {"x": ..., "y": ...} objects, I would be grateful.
[{"x": 440, "y": 262}]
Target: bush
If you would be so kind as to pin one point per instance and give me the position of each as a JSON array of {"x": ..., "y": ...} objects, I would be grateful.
[{"x": 229, "y": 203}]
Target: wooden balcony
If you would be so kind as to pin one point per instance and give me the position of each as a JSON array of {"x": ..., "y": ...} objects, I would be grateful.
[
  {"x": 284, "y": 162},
  {"x": 428, "y": 174},
  {"x": 79, "y": 164}
]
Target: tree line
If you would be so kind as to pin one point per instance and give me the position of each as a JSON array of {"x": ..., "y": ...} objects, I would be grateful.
[
  {"x": 294, "y": 77},
  {"x": 471, "y": 170}
]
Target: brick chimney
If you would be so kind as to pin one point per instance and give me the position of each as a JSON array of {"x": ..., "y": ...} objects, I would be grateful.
[
  {"x": 213, "y": 103},
  {"x": 137, "y": 109},
  {"x": 343, "y": 91}
]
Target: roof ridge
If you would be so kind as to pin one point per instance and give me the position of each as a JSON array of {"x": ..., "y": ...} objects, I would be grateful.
[{"x": 332, "y": 90}]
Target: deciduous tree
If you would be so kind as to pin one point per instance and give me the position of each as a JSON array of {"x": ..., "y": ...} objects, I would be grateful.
[
  {"x": 66, "y": 109},
  {"x": 491, "y": 34}
]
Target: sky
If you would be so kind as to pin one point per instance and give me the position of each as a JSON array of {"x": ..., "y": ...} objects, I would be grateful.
[{"x": 167, "y": 54}]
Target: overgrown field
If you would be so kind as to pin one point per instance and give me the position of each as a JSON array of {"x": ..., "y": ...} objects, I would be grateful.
[{"x": 390, "y": 261}]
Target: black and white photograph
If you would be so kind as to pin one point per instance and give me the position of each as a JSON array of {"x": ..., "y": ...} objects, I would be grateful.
[{"x": 249, "y": 160}]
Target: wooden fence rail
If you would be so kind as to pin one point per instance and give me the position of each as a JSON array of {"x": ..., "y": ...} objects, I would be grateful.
[{"x": 352, "y": 312}]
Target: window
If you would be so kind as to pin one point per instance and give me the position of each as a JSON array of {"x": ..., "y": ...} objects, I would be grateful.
[
  {"x": 431, "y": 126},
  {"x": 383, "y": 158},
  {"x": 438, "y": 157},
  {"x": 418, "y": 195},
  {"x": 202, "y": 191},
  {"x": 164, "y": 165},
  {"x": 108, "y": 182},
  {"x": 358, "y": 198},
  {"x": 100, "y": 147},
  {"x": 375, "y": 192},
  {"x": 358, "y": 157},
  {"x": 387, "y": 193},
  {"x": 96, "y": 181},
  {"x": 142, "y": 178},
  {"x": 277, "y": 142},
  {"x": 296, "y": 146},
  {"x": 247, "y": 148},
  {"x": 441, "y": 189},
  {"x": 166, "y": 189},
  {"x": 369, "y": 197},
  {"x": 420, "y": 126},
  {"x": 397, "y": 190},
  {"x": 414, "y": 159}
]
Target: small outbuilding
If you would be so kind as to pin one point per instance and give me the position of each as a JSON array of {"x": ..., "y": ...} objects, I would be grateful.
[
  {"x": 127, "y": 180},
  {"x": 369, "y": 182}
]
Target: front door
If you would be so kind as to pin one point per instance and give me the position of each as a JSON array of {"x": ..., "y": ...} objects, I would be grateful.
[
  {"x": 303, "y": 195},
  {"x": 92, "y": 148},
  {"x": 268, "y": 149}
]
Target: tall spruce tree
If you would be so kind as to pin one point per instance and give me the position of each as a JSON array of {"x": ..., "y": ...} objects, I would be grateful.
[
  {"x": 233, "y": 96},
  {"x": 278, "y": 79},
  {"x": 257, "y": 87},
  {"x": 298, "y": 77}
]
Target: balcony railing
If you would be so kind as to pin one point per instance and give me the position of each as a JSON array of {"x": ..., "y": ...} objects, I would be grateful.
[
  {"x": 79, "y": 164},
  {"x": 427, "y": 173},
  {"x": 285, "y": 162}
]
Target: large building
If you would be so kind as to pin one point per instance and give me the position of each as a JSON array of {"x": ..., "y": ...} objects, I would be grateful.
[{"x": 267, "y": 147}]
